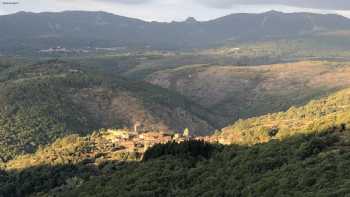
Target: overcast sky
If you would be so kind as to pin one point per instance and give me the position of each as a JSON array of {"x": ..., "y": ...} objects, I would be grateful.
[{"x": 168, "y": 10}]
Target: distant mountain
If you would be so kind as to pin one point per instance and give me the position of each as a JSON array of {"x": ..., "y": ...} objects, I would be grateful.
[{"x": 79, "y": 29}]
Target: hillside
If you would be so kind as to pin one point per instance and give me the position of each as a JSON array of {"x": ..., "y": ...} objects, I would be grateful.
[
  {"x": 290, "y": 153},
  {"x": 247, "y": 91},
  {"x": 308, "y": 165},
  {"x": 313, "y": 137},
  {"x": 93, "y": 149},
  {"x": 274, "y": 169},
  {"x": 86, "y": 30},
  {"x": 317, "y": 116},
  {"x": 42, "y": 102}
]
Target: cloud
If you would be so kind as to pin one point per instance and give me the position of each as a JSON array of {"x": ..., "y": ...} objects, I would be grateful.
[
  {"x": 127, "y": 1},
  {"x": 314, "y": 4}
]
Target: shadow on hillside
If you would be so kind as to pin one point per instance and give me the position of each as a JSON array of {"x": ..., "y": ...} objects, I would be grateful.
[{"x": 257, "y": 159}]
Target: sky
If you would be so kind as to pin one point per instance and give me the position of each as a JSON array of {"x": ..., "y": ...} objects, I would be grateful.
[{"x": 178, "y": 10}]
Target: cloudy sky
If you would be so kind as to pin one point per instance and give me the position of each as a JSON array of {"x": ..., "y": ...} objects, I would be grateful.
[{"x": 168, "y": 10}]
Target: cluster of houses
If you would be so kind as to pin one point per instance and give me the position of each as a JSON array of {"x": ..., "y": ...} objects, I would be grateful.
[
  {"x": 131, "y": 141},
  {"x": 139, "y": 142},
  {"x": 214, "y": 139}
]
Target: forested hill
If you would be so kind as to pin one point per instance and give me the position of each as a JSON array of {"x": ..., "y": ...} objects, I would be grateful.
[
  {"x": 311, "y": 157},
  {"x": 316, "y": 116},
  {"x": 42, "y": 102},
  {"x": 78, "y": 29},
  {"x": 305, "y": 165}
]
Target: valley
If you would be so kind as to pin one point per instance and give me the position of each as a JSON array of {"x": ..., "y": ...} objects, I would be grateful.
[{"x": 43, "y": 102}]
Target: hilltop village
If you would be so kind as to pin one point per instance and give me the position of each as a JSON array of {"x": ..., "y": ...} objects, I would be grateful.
[{"x": 135, "y": 142}]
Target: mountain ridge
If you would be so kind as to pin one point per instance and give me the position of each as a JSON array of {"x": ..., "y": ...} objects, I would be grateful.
[
  {"x": 83, "y": 29},
  {"x": 270, "y": 12}
]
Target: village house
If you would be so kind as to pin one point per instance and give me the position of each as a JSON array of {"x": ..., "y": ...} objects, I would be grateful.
[
  {"x": 129, "y": 145},
  {"x": 117, "y": 135}
]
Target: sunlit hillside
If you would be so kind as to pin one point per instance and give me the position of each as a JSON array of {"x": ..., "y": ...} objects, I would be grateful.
[{"x": 317, "y": 116}]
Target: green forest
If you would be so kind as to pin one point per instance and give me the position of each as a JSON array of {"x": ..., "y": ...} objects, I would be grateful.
[{"x": 303, "y": 165}]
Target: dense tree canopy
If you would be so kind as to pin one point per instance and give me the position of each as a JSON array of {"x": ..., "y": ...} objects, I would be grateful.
[{"x": 308, "y": 165}]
